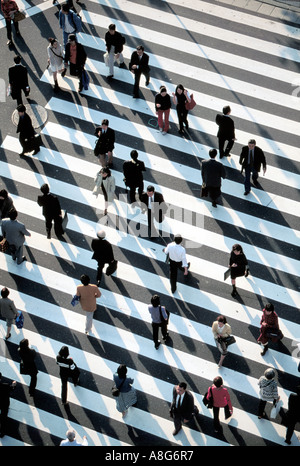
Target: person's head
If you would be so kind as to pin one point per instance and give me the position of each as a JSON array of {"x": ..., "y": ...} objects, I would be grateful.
[
  {"x": 17, "y": 59},
  {"x": 179, "y": 89},
  {"x": 105, "y": 124},
  {"x": 70, "y": 434},
  {"x": 251, "y": 144},
  {"x": 140, "y": 50},
  {"x": 212, "y": 153},
  {"x": 12, "y": 214},
  {"x": 45, "y": 188},
  {"x": 101, "y": 234},
  {"x": 105, "y": 171},
  {"x": 21, "y": 109},
  {"x": 178, "y": 239},
  {"x": 226, "y": 110},
  {"x": 53, "y": 42},
  {"x": 72, "y": 39},
  {"x": 4, "y": 292},
  {"x": 155, "y": 300},
  {"x": 269, "y": 373},
  {"x": 122, "y": 371},
  {"x": 24, "y": 344},
  {"x": 181, "y": 388},
  {"x": 221, "y": 320},
  {"x": 269, "y": 307},
  {"x": 64, "y": 352},
  {"x": 3, "y": 194},
  {"x": 65, "y": 8},
  {"x": 218, "y": 381},
  {"x": 150, "y": 190},
  {"x": 237, "y": 249},
  {"x": 85, "y": 279},
  {"x": 163, "y": 91},
  {"x": 134, "y": 155},
  {"x": 112, "y": 29}
]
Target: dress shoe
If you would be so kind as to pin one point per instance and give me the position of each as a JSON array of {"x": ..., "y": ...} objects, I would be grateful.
[
  {"x": 157, "y": 345},
  {"x": 214, "y": 204},
  {"x": 166, "y": 337},
  {"x": 147, "y": 82},
  {"x": 246, "y": 192},
  {"x": 122, "y": 65},
  {"x": 175, "y": 432},
  {"x": 24, "y": 258},
  {"x": 9, "y": 335}
]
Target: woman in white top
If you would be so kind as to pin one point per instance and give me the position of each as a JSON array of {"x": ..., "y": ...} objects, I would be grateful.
[
  {"x": 55, "y": 60},
  {"x": 221, "y": 330}
]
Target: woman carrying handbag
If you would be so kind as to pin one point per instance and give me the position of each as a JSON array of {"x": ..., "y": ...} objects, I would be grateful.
[
  {"x": 222, "y": 332},
  {"x": 67, "y": 369},
  {"x": 127, "y": 394},
  {"x": 221, "y": 399}
]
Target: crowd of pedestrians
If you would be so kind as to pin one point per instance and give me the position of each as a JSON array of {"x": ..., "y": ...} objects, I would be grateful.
[{"x": 72, "y": 55}]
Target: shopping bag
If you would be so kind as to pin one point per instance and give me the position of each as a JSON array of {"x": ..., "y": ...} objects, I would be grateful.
[
  {"x": 19, "y": 15},
  {"x": 276, "y": 408},
  {"x": 20, "y": 320}
]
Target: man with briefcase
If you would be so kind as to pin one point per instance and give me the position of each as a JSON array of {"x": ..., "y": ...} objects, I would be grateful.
[{"x": 103, "y": 254}]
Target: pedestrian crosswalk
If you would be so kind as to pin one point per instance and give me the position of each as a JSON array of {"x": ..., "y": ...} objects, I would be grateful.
[{"x": 221, "y": 55}]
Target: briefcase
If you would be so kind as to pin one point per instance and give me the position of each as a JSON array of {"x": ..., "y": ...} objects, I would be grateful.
[
  {"x": 64, "y": 221},
  {"x": 111, "y": 268},
  {"x": 227, "y": 274},
  {"x": 3, "y": 245}
]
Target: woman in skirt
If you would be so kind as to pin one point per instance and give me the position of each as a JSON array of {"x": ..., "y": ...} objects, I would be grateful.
[
  {"x": 55, "y": 60},
  {"x": 238, "y": 265},
  {"x": 127, "y": 396}
]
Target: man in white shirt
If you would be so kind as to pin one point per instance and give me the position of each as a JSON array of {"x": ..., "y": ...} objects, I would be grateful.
[
  {"x": 72, "y": 442},
  {"x": 177, "y": 259}
]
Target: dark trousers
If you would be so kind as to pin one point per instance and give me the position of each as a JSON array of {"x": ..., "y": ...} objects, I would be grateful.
[
  {"x": 261, "y": 407},
  {"x": 74, "y": 375},
  {"x": 137, "y": 77},
  {"x": 32, "y": 385},
  {"x": 174, "y": 266},
  {"x": 8, "y": 28},
  {"x": 3, "y": 418},
  {"x": 229, "y": 146},
  {"x": 216, "y": 412},
  {"x": 291, "y": 423},
  {"x": 132, "y": 190},
  {"x": 182, "y": 118},
  {"x": 57, "y": 225},
  {"x": 155, "y": 330},
  {"x": 248, "y": 171},
  {"x": 214, "y": 192}
]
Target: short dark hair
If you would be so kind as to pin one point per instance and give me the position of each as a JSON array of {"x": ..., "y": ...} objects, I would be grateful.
[
  {"x": 112, "y": 27},
  {"x": 4, "y": 292},
  {"x": 17, "y": 59},
  {"x": 218, "y": 381},
  {"x": 212, "y": 153},
  {"x": 45, "y": 188},
  {"x": 12, "y": 214},
  {"x": 155, "y": 300},
  {"x": 222, "y": 319},
  {"x": 269, "y": 307},
  {"x": 134, "y": 154},
  {"x": 105, "y": 122},
  {"x": 122, "y": 371},
  {"x": 140, "y": 47},
  {"x": 178, "y": 239},
  {"x": 85, "y": 279},
  {"x": 182, "y": 385},
  {"x": 150, "y": 188},
  {"x": 21, "y": 108},
  {"x": 226, "y": 110},
  {"x": 64, "y": 352}
]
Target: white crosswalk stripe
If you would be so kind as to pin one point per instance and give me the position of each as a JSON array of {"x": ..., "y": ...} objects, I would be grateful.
[{"x": 265, "y": 223}]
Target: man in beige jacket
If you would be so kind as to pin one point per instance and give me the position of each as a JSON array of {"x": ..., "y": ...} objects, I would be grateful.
[{"x": 87, "y": 296}]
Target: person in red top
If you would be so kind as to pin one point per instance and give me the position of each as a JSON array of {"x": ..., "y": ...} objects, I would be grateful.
[
  {"x": 8, "y": 8},
  {"x": 221, "y": 399},
  {"x": 269, "y": 328}
]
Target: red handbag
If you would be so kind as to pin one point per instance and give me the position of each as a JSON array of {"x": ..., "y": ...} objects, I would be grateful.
[{"x": 190, "y": 105}]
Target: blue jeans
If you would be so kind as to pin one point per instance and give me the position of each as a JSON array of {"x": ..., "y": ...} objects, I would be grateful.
[{"x": 248, "y": 171}]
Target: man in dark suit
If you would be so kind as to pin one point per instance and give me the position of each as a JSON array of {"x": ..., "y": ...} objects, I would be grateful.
[
  {"x": 156, "y": 207},
  {"x": 105, "y": 144},
  {"x": 182, "y": 406},
  {"x": 18, "y": 80},
  {"x": 293, "y": 414},
  {"x": 133, "y": 175},
  {"x": 226, "y": 131},
  {"x": 51, "y": 211},
  {"x": 139, "y": 64},
  {"x": 103, "y": 254},
  {"x": 5, "y": 391},
  {"x": 212, "y": 174},
  {"x": 15, "y": 232},
  {"x": 26, "y": 132},
  {"x": 251, "y": 159}
]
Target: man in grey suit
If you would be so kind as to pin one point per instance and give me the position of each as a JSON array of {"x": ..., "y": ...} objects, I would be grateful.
[
  {"x": 15, "y": 232},
  {"x": 212, "y": 174}
]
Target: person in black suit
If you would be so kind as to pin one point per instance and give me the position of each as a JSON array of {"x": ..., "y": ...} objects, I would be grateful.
[
  {"x": 212, "y": 174},
  {"x": 76, "y": 68},
  {"x": 51, "y": 211},
  {"x": 18, "y": 80},
  {"x": 293, "y": 414},
  {"x": 226, "y": 132},
  {"x": 251, "y": 159},
  {"x": 103, "y": 254},
  {"x": 5, "y": 391},
  {"x": 28, "y": 356},
  {"x": 133, "y": 175},
  {"x": 182, "y": 406},
  {"x": 156, "y": 207},
  {"x": 105, "y": 144},
  {"x": 26, "y": 132},
  {"x": 139, "y": 64}
]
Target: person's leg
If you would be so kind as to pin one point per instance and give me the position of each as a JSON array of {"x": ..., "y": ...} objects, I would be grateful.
[
  {"x": 64, "y": 389},
  {"x": 33, "y": 381},
  {"x": 173, "y": 275},
  {"x": 8, "y": 29},
  {"x": 89, "y": 321},
  {"x": 217, "y": 424},
  {"x": 166, "y": 115},
  {"x": 155, "y": 328},
  {"x": 136, "y": 86},
  {"x": 160, "y": 119},
  {"x": 111, "y": 60},
  {"x": 261, "y": 408},
  {"x": 247, "y": 179}
]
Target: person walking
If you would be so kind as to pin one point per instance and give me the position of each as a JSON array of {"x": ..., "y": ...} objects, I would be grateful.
[
  {"x": 9, "y": 8},
  {"x": 293, "y": 414},
  {"x": 226, "y": 132},
  {"x": 212, "y": 174},
  {"x": 6, "y": 203},
  {"x": 75, "y": 55},
  {"x": 28, "y": 365},
  {"x": 221, "y": 330},
  {"x": 114, "y": 42},
  {"x": 18, "y": 80},
  {"x": 238, "y": 265},
  {"x": 154, "y": 203},
  {"x": 26, "y": 132},
  {"x": 182, "y": 406},
  {"x": 105, "y": 182},
  {"x": 127, "y": 393},
  {"x": 67, "y": 369},
  {"x": 69, "y": 22},
  {"x": 180, "y": 97},
  {"x": 71, "y": 441},
  {"x": 15, "y": 232},
  {"x": 268, "y": 391},
  {"x": 251, "y": 160},
  {"x": 51, "y": 211},
  {"x": 138, "y": 65},
  {"x": 103, "y": 254},
  {"x": 269, "y": 328},
  {"x": 88, "y": 294},
  {"x": 8, "y": 310},
  {"x": 177, "y": 260},
  {"x": 105, "y": 144},
  {"x": 221, "y": 399},
  {"x": 5, "y": 392},
  {"x": 55, "y": 54},
  {"x": 133, "y": 175},
  {"x": 162, "y": 108},
  {"x": 159, "y": 318}
]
